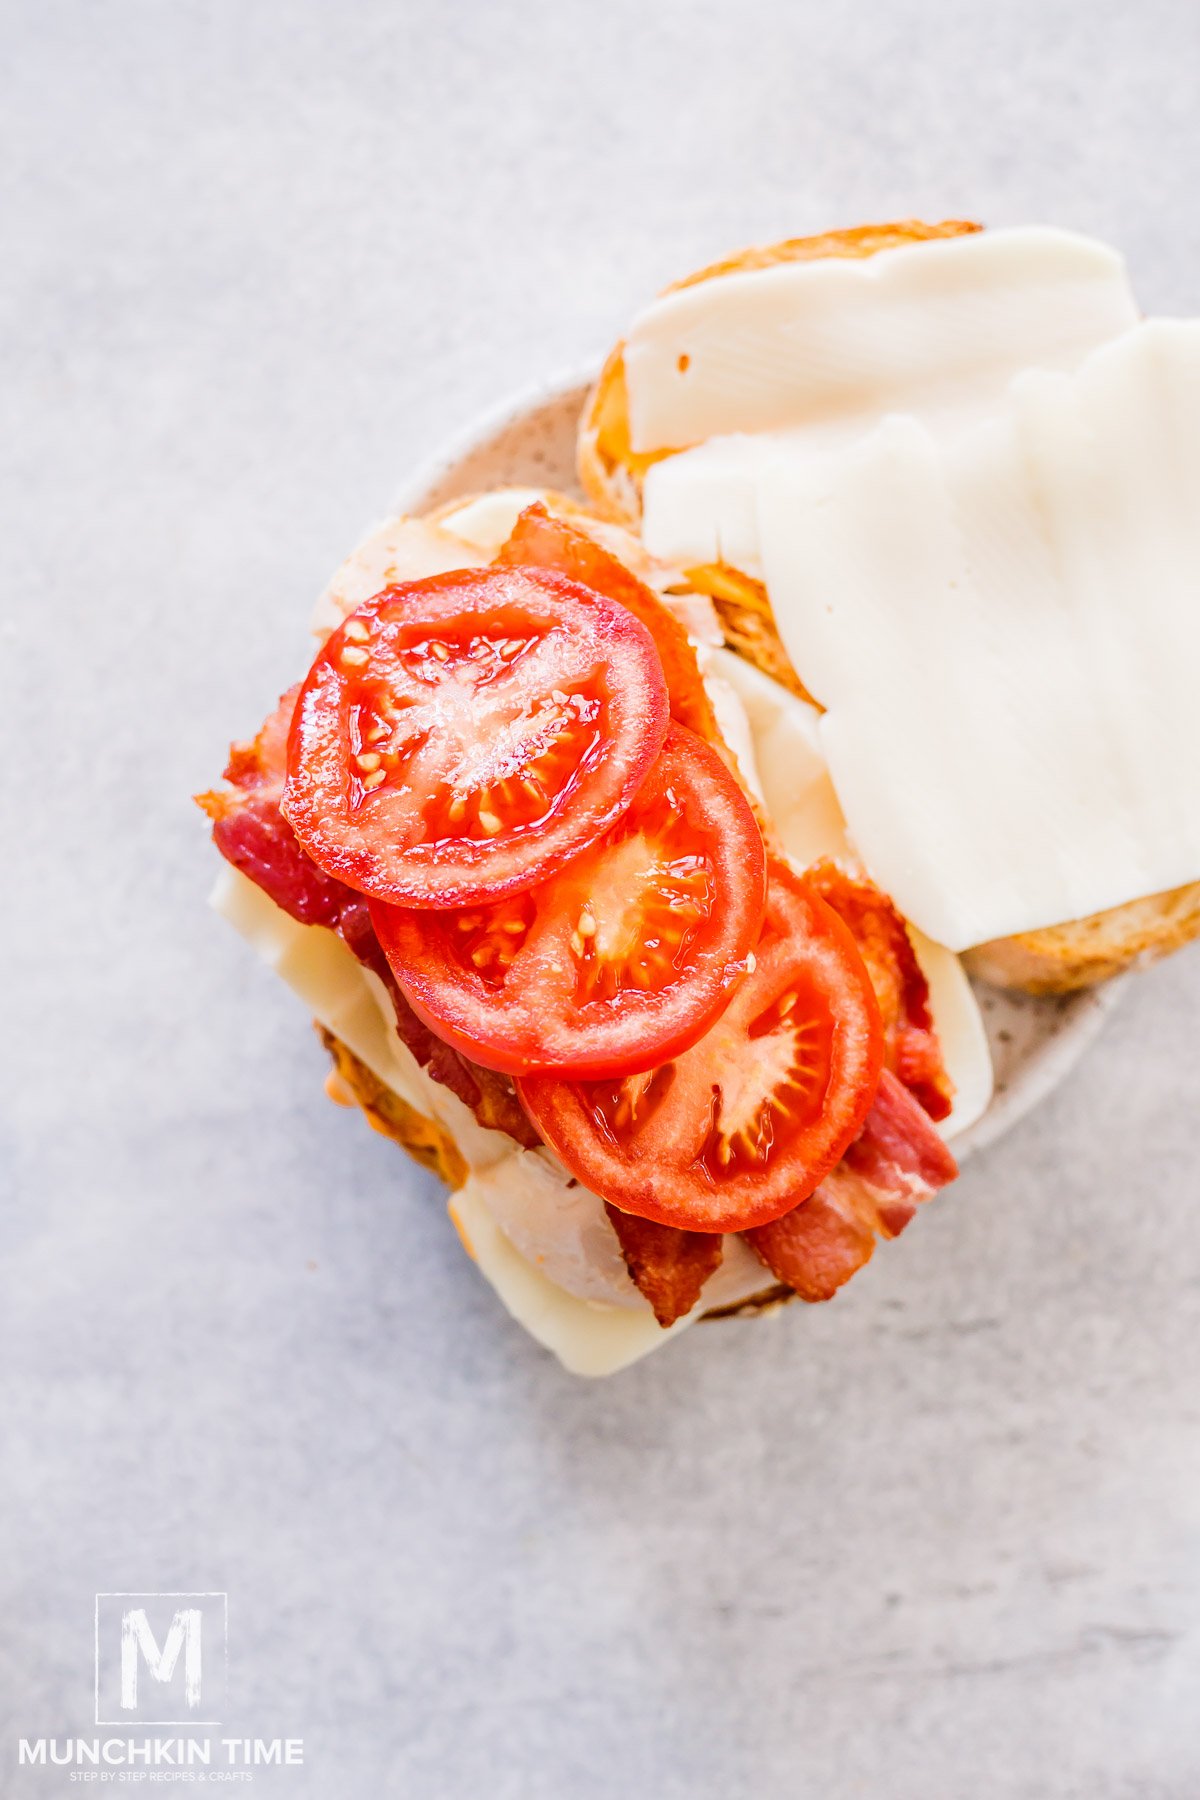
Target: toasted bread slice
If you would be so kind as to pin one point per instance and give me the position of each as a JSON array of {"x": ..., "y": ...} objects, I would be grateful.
[
  {"x": 1062, "y": 958},
  {"x": 1054, "y": 960}
]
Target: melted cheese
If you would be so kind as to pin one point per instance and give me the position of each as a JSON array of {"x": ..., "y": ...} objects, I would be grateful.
[
  {"x": 1005, "y": 633},
  {"x": 934, "y": 326}
]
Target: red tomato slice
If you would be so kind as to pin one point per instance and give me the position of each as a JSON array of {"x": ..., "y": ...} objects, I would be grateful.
[
  {"x": 459, "y": 738},
  {"x": 539, "y": 539},
  {"x": 746, "y": 1123},
  {"x": 620, "y": 960}
]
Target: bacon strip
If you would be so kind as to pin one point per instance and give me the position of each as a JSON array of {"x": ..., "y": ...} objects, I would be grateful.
[
  {"x": 489, "y": 1095},
  {"x": 898, "y": 1161},
  {"x": 250, "y": 831},
  {"x": 913, "y": 1051},
  {"x": 667, "y": 1265}
]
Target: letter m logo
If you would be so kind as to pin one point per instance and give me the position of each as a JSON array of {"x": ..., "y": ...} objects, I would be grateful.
[
  {"x": 137, "y": 1641},
  {"x": 160, "y": 1658}
]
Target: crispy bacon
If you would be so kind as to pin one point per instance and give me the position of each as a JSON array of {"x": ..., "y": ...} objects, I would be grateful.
[
  {"x": 547, "y": 542},
  {"x": 250, "y": 831},
  {"x": 913, "y": 1051},
  {"x": 488, "y": 1094},
  {"x": 898, "y": 1161},
  {"x": 667, "y": 1265}
]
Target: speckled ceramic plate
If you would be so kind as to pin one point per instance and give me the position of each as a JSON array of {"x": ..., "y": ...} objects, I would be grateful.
[{"x": 530, "y": 442}]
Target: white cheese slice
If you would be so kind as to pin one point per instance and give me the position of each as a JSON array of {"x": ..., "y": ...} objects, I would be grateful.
[
  {"x": 930, "y": 326},
  {"x": 961, "y": 1033},
  {"x": 701, "y": 506},
  {"x": 587, "y": 1339},
  {"x": 1006, "y": 635},
  {"x": 560, "y": 1227},
  {"x": 352, "y": 1003},
  {"x": 407, "y": 549},
  {"x": 806, "y": 358},
  {"x": 486, "y": 520},
  {"x": 399, "y": 549}
]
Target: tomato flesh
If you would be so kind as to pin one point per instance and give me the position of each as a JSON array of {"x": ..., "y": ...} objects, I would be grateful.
[
  {"x": 459, "y": 738},
  {"x": 744, "y": 1124},
  {"x": 623, "y": 958}
]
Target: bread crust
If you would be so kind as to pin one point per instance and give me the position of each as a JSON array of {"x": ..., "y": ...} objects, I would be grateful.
[
  {"x": 747, "y": 622},
  {"x": 1058, "y": 959},
  {"x": 423, "y": 1138},
  {"x": 1064, "y": 958}
]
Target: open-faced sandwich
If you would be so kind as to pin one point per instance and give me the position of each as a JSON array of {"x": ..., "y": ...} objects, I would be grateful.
[{"x": 624, "y": 850}]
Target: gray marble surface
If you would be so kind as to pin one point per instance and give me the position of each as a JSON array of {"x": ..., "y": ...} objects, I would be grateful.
[{"x": 941, "y": 1539}]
